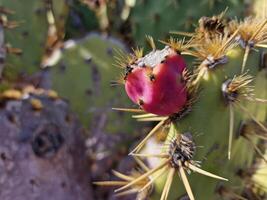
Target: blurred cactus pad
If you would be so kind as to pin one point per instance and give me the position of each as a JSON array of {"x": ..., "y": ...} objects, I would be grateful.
[
  {"x": 28, "y": 34},
  {"x": 84, "y": 75}
]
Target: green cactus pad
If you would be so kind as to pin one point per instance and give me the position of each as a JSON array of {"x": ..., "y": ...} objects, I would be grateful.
[
  {"x": 29, "y": 36},
  {"x": 157, "y": 18},
  {"x": 83, "y": 76}
]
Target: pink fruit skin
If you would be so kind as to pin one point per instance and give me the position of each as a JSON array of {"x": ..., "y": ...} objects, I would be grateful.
[{"x": 163, "y": 96}]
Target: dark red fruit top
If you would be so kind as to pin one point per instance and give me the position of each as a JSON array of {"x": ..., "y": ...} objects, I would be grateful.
[{"x": 155, "y": 82}]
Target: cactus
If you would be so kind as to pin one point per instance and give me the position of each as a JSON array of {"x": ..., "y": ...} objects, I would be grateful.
[
  {"x": 85, "y": 66},
  {"x": 149, "y": 17},
  {"x": 226, "y": 104},
  {"x": 25, "y": 19},
  {"x": 30, "y": 18}
]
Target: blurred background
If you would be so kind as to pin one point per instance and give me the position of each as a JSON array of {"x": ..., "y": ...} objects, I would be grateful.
[{"x": 57, "y": 129}]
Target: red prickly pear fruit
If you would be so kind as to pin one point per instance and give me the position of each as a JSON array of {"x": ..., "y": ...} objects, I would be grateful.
[{"x": 155, "y": 82}]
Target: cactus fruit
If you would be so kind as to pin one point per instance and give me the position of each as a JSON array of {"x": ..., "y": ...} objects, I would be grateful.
[
  {"x": 225, "y": 101},
  {"x": 155, "y": 82}
]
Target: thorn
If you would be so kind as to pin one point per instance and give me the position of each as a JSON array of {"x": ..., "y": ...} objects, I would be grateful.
[
  {"x": 260, "y": 100},
  {"x": 110, "y": 183},
  {"x": 163, "y": 155},
  {"x": 245, "y": 58},
  {"x": 151, "y": 42},
  {"x": 261, "y": 45},
  {"x": 153, "y": 178},
  {"x": 144, "y": 115},
  {"x": 147, "y": 174},
  {"x": 167, "y": 186},
  {"x": 152, "y": 119},
  {"x": 129, "y": 110},
  {"x": 258, "y": 30},
  {"x": 122, "y": 176},
  {"x": 226, "y": 44},
  {"x": 141, "y": 144},
  {"x": 203, "y": 172},
  {"x": 141, "y": 164},
  {"x": 187, "y": 34},
  {"x": 185, "y": 182},
  {"x": 231, "y": 130}
]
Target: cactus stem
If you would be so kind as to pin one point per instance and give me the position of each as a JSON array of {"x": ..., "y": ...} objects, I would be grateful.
[
  {"x": 141, "y": 144},
  {"x": 231, "y": 129}
]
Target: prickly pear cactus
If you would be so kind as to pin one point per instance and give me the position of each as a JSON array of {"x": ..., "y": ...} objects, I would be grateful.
[
  {"x": 155, "y": 18},
  {"x": 28, "y": 18},
  {"x": 83, "y": 74},
  {"x": 213, "y": 111}
]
